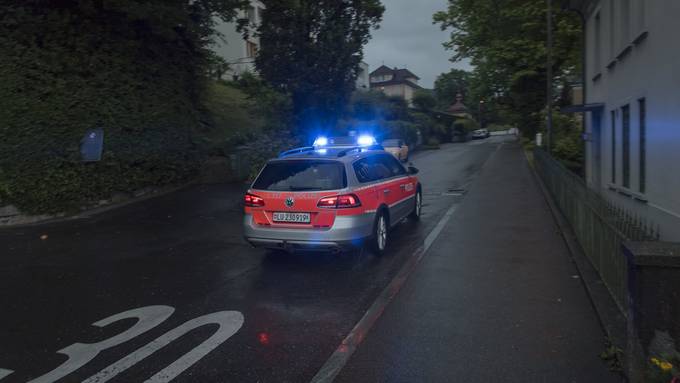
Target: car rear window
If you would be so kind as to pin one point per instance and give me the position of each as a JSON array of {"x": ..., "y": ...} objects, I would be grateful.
[{"x": 302, "y": 175}]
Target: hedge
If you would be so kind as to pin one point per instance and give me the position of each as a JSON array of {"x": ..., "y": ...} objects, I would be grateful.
[{"x": 63, "y": 74}]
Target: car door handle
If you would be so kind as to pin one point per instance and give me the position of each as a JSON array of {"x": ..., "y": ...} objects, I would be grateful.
[
  {"x": 387, "y": 191},
  {"x": 403, "y": 186}
]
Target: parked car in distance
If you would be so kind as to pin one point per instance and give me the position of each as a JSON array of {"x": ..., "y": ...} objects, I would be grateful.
[
  {"x": 481, "y": 133},
  {"x": 397, "y": 147}
]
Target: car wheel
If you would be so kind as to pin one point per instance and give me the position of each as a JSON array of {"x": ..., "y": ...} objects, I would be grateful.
[
  {"x": 380, "y": 237},
  {"x": 418, "y": 208}
]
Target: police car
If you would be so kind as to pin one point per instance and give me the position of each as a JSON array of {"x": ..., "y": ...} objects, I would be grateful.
[{"x": 339, "y": 193}]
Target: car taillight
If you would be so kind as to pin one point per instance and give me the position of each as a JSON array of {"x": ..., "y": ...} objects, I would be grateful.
[
  {"x": 253, "y": 200},
  {"x": 339, "y": 202}
]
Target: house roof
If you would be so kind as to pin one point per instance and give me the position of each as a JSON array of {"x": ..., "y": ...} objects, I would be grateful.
[{"x": 399, "y": 74}]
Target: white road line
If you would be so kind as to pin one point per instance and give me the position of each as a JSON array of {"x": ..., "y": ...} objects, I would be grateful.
[
  {"x": 229, "y": 323},
  {"x": 4, "y": 373},
  {"x": 330, "y": 370}
]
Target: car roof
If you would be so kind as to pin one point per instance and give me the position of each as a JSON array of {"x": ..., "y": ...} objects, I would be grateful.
[{"x": 331, "y": 154}]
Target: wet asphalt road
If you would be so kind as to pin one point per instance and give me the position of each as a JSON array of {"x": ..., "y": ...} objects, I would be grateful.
[{"x": 184, "y": 251}]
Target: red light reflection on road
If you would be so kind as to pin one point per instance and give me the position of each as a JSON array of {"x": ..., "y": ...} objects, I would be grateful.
[{"x": 263, "y": 338}]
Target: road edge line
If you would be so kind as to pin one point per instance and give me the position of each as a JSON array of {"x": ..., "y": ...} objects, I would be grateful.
[{"x": 330, "y": 370}]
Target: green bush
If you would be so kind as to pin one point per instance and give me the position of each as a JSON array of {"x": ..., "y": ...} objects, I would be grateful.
[
  {"x": 229, "y": 120},
  {"x": 432, "y": 141},
  {"x": 466, "y": 125},
  {"x": 64, "y": 71},
  {"x": 401, "y": 129},
  {"x": 272, "y": 107},
  {"x": 568, "y": 146}
]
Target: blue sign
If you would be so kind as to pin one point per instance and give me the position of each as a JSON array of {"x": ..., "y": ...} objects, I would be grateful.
[{"x": 92, "y": 145}]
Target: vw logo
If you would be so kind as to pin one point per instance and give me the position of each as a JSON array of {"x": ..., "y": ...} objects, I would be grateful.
[{"x": 290, "y": 202}]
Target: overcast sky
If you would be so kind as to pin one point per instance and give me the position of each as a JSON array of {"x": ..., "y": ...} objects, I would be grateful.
[{"x": 407, "y": 38}]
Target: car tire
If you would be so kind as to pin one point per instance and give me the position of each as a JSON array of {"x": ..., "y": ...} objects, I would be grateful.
[
  {"x": 380, "y": 237},
  {"x": 418, "y": 207}
]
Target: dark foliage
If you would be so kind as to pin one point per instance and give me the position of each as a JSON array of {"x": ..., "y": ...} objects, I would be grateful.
[
  {"x": 133, "y": 68},
  {"x": 312, "y": 49}
]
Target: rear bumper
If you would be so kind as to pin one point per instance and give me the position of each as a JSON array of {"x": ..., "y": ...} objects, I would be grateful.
[{"x": 347, "y": 232}]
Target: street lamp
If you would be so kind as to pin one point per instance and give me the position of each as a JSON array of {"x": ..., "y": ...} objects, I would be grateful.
[{"x": 481, "y": 117}]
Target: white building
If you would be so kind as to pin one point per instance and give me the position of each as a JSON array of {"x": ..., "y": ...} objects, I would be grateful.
[
  {"x": 395, "y": 82},
  {"x": 238, "y": 52},
  {"x": 632, "y": 105}
]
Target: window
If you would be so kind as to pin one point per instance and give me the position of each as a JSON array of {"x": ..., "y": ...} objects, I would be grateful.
[
  {"x": 613, "y": 123},
  {"x": 251, "y": 49},
  {"x": 371, "y": 169},
  {"x": 597, "y": 54},
  {"x": 395, "y": 167},
  {"x": 300, "y": 175},
  {"x": 642, "y": 104},
  {"x": 377, "y": 168},
  {"x": 252, "y": 17},
  {"x": 625, "y": 137}
]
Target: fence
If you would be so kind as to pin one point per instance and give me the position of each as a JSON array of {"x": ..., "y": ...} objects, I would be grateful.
[{"x": 600, "y": 226}]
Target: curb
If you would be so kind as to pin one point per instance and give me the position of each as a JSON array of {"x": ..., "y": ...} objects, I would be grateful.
[
  {"x": 87, "y": 213},
  {"x": 611, "y": 320}
]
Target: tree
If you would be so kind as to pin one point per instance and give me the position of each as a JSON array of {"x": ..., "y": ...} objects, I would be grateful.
[
  {"x": 448, "y": 85},
  {"x": 312, "y": 50},
  {"x": 423, "y": 99},
  {"x": 505, "y": 40}
]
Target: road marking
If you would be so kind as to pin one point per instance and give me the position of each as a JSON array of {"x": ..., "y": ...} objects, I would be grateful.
[
  {"x": 330, "y": 370},
  {"x": 4, "y": 373},
  {"x": 229, "y": 323},
  {"x": 79, "y": 354}
]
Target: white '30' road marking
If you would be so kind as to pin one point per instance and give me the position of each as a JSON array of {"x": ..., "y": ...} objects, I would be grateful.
[{"x": 79, "y": 354}]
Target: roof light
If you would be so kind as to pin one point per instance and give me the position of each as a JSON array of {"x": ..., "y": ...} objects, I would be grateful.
[
  {"x": 321, "y": 141},
  {"x": 366, "y": 140}
]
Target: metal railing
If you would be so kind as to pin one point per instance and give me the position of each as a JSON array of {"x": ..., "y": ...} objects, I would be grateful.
[{"x": 600, "y": 226}]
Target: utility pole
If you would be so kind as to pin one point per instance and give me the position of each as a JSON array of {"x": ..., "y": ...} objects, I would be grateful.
[
  {"x": 549, "y": 75},
  {"x": 481, "y": 116}
]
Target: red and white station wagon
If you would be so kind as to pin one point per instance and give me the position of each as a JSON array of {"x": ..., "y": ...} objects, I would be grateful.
[{"x": 330, "y": 198}]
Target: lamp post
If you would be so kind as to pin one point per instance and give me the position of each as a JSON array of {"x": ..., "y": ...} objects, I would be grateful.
[
  {"x": 549, "y": 75},
  {"x": 481, "y": 116}
]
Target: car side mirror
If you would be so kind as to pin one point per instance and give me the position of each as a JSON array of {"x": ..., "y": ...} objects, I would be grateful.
[{"x": 412, "y": 170}]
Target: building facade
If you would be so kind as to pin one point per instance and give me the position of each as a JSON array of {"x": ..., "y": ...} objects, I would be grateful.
[
  {"x": 395, "y": 82},
  {"x": 632, "y": 106},
  {"x": 238, "y": 52}
]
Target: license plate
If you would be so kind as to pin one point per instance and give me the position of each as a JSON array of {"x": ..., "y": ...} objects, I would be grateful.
[{"x": 292, "y": 217}]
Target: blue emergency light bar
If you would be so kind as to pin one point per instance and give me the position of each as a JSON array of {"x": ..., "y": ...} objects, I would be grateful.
[{"x": 350, "y": 141}]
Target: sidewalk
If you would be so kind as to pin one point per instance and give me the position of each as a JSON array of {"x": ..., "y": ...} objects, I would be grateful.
[{"x": 496, "y": 299}]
